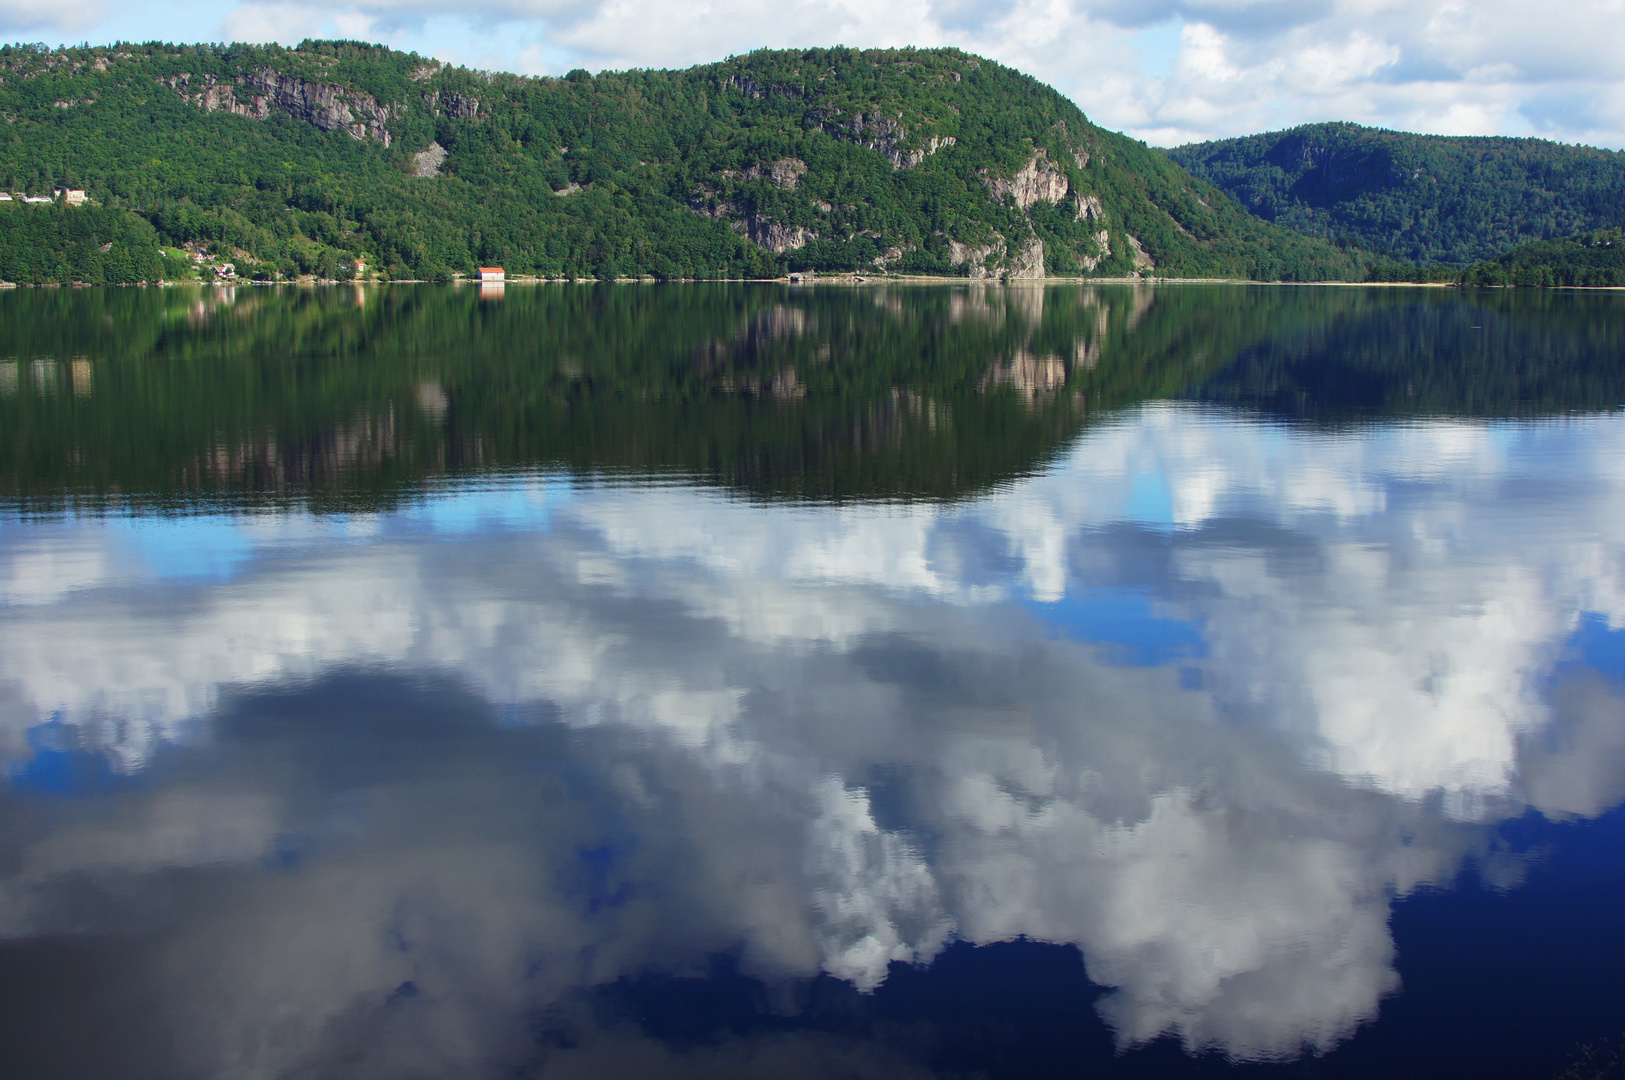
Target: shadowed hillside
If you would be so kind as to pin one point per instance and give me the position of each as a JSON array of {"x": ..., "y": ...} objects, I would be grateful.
[{"x": 1422, "y": 198}]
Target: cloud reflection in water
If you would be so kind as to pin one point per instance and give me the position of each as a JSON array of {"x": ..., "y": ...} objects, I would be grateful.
[{"x": 398, "y": 782}]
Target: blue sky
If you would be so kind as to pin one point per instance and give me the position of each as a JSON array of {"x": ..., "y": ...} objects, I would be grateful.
[{"x": 1168, "y": 71}]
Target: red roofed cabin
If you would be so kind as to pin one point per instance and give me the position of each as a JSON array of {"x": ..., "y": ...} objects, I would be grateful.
[{"x": 490, "y": 273}]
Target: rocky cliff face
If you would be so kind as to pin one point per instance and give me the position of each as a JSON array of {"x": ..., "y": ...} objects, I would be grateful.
[
  {"x": 1142, "y": 260},
  {"x": 785, "y": 172},
  {"x": 906, "y": 143},
  {"x": 748, "y": 86},
  {"x": 868, "y": 127},
  {"x": 764, "y": 232},
  {"x": 1040, "y": 180},
  {"x": 882, "y": 134},
  {"x": 776, "y": 236},
  {"x": 907, "y": 159},
  {"x": 1026, "y": 262},
  {"x": 258, "y": 95},
  {"x": 975, "y": 256},
  {"x": 1103, "y": 244},
  {"x": 450, "y": 104},
  {"x": 1029, "y": 261}
]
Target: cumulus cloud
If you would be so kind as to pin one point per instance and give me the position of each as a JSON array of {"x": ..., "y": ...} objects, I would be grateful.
[
  {"x": 489, "y": 767},
  {"x": 1437, "y": 66},
  {"x": 22, "y": 16}
]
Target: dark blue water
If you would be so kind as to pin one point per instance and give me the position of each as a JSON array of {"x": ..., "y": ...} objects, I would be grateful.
[{"x": 760, "y": 682}]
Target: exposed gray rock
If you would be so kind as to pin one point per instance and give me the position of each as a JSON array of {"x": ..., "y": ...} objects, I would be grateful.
[
  {"x": 775, "y": 236},
  {"x": 785, "y": 172},
  {"x": 1104, "y": 247},
  {"x": 764, "y": 232},
  {"x": 748, "y": 86},
  {"x": 258, "y": 95},
  {"x": 1142, "y": 261},
  {"x": 458, "y": 105},
  {"x": 1040, "y": 180},
  {"x": 875, "y": 130},
  {"x": 427, "y": 162},
  {"x": 975, "y": 256},
  {"x": 1029, "y": 261},
  {"x": 449, "y": 104},
  {"x": 907, "y": 159}
]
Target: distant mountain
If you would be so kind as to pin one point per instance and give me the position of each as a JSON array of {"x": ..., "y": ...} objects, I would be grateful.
[
  {"x": 1424, "y": 198},
  {"x": 303, "y": 161}
]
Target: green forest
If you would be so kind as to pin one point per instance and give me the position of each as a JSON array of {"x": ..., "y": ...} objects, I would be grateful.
[
  {"x": 92, "y": 244},
  {"x": 304, "y": 162},
  {"x": 1594, "y": 259},
  {"x": 1429, "y": 200}
]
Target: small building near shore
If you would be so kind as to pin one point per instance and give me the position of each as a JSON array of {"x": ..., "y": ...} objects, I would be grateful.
[
  {"x": 71, "y": 196},
  {"x": 490, "y": 273}
]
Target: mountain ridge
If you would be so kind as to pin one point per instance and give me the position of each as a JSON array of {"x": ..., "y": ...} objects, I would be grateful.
[
  {"x": 302, "y": 161},
  {"x": 1426, "y": 199}
]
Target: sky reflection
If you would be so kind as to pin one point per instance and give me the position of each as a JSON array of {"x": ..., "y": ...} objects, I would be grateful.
[{"x": 1202, "y": 699}]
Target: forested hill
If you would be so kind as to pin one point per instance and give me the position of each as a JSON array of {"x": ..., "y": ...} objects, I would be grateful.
[
  {"x": 1588, "y": 260},
  {"x": 302, "y": 161},
  {"x": 1423, "y": 198}
]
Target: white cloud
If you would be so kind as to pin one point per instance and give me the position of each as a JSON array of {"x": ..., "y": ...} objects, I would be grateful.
[
  {"x": 1440, "y": 66},
  {"x": 1382, "y": 609},
  {"x": 25, "y": 15},
  {"x": 288, "y": 23}
]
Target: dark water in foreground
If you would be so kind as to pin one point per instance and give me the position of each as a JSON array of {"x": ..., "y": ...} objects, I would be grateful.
[{"x": 715, "y": 681}]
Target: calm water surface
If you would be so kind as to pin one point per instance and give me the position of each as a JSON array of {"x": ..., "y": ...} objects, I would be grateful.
[{"x": 735, "y": 681}]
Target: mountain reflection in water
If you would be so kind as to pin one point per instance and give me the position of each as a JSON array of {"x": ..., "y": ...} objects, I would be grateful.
[
  {"x": 483, "y": 727},
  {"x": 267, "y": 397}
]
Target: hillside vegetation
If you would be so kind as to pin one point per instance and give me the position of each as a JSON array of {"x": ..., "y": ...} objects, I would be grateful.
[
  {"x": 1594, "y": 259},
  {"x": 302, "y": 161},
  {"x": 1427, "y": 199},
  {"x": 94, "y": 244}
]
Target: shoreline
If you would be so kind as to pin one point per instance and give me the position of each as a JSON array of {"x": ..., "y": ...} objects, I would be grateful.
[{"x": 804, "y": 281}]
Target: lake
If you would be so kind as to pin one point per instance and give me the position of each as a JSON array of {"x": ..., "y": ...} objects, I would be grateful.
[{"x": 758, "y": 680}]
